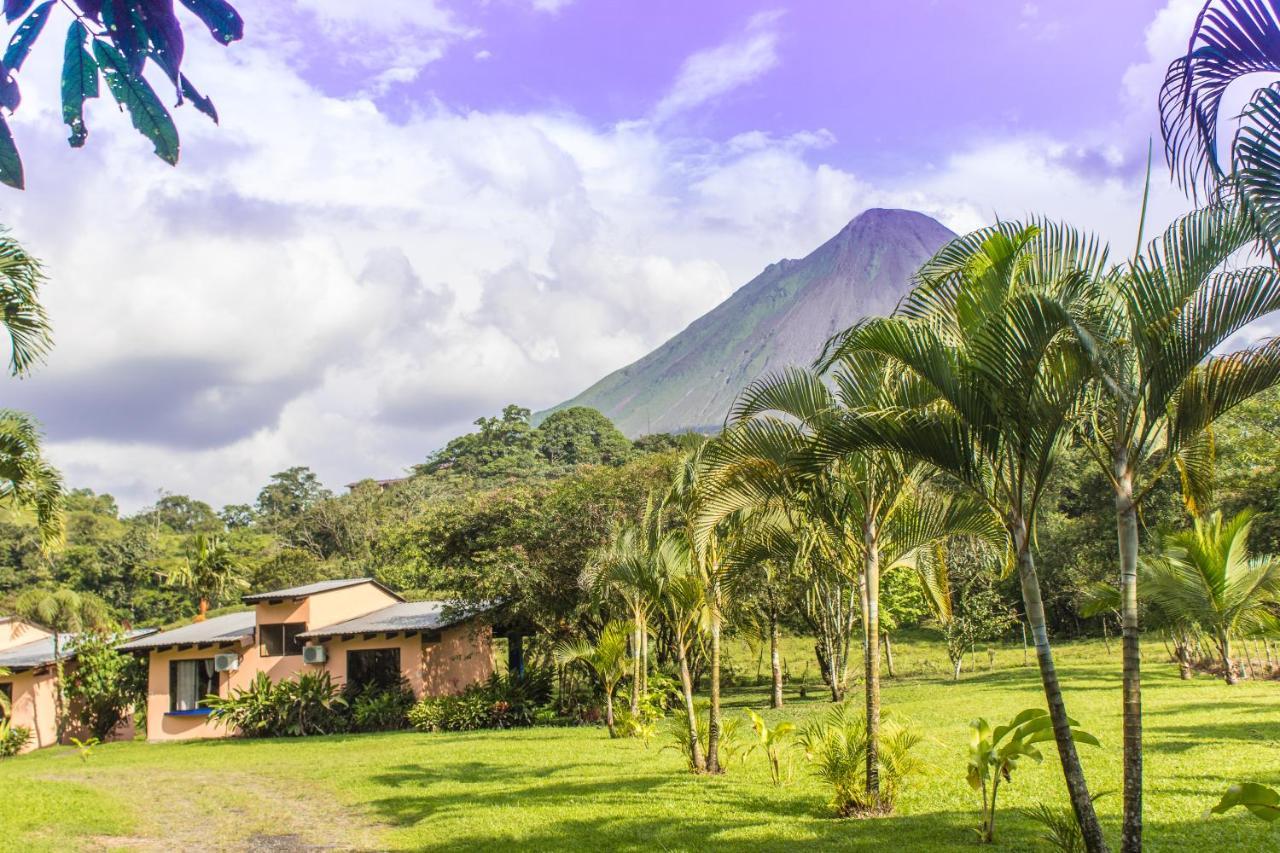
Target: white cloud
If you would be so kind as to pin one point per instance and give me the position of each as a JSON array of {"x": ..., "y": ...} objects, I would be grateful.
[
  {"x": 551, "y": 7},
  {"x": 709, "y": 74}
]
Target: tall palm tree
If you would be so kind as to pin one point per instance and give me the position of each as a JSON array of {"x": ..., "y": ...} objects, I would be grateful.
[
  {"x": 63, "y": 611},
  {"x": 627, "y": 567},
  {"x": 1207, "y": 574},
  {"x": 210, "y": 572},
  {"x": 1231, "y": 39},
  {"x": 1162, "y": 389},
  {"x": 988, "y": 351},
  {"x": 683, "y": 605},
  {"x": 888, "y": 518},
  {"x": 606, "y": 659},
  {"x": 26, "y": 478}
]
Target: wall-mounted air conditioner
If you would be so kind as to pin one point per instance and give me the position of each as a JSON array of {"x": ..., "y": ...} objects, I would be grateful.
[
  {"x": 228, "y": 662},
  {"x": 314, "y": 654}
]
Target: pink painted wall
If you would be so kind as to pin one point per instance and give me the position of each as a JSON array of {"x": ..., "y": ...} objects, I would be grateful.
[
  {"x": 18, "y": 632},
  {"x": 34, "y": 706}
]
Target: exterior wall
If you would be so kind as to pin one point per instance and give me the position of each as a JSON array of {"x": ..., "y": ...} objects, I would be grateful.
[
  {"x": 34, "y": 705},
  {"x": 339, "y": 605},
  {"x": 463, "y": 655},
  {"x": 17, "y": 632}
]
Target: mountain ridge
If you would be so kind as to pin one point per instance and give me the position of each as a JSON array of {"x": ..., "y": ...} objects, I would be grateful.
[{"x": 781, "y": 317}]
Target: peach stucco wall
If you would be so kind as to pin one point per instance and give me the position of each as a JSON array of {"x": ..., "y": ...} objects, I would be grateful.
[{"x": 34, "y": 705}]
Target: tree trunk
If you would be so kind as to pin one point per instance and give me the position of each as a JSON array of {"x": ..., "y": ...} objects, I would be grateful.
[
  {"x": 635, "y": 665},
  {"x": 775, "y": 659},
  {"x": 871, "y": 579},
  {"x": 686, "y": 685},
  {"x": 1073, "y": 773},
  {"x": 1127, "y": 534},
  {"x": 644, "y": 658},
  {"x": 1023, "y": 626},
  {"x": 713, "y": 725},
  {"x": 59, "y": 697},
  {"x": 888, "y": 655},
  {"x": 955, "y": 669},
  {"x": 204, "y": 610},
  {"x": 608, "y": 713},
  {"x": 1229, "y": 667}
]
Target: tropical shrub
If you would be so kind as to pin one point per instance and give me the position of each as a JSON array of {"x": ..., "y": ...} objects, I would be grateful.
[
  {"x": 309, "y": 705},
  {"x": 995, "y": 753},
  {"x": 501, "y": 702},
  {"x": 106, "y": 685},
  {"x": 12, "y": 738},
  {"x": 836, "y": 748},
  {"x": 730, "y": 746},
  {"x": 772, "y": 741},
  {"x": 380, "y": 708}
]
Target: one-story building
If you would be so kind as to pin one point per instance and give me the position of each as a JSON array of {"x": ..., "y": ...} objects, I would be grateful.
[
  {"x": 356, "y": 629},
  {"x": 27, "y": 652}
]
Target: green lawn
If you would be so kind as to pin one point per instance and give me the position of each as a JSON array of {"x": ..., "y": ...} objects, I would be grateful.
[{"x": 567, "y": 789}]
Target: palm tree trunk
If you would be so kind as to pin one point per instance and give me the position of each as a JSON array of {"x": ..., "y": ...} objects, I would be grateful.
[
  {"x": 871, "y": 580},
  {"x": 1077, "y": 787},
  {"x": 1127, "y": 533},
  {"x": 608, "y": 712},
  {"x": 775, "y": 659},
  {"x": 713, "y": 724},
  {"x": 686, "y": 685},
  {"x": 1229, "y": 667},
  {"x": 635, "y": 663},
  {"x": 888, "y": 654},
  {"x": 644, "y": 658}
]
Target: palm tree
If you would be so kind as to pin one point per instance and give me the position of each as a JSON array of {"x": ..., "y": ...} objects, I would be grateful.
[
  {"x": 1207, "y": 574},
  {"x": 626, "y": 567},
  {"x": 1231, "y": 39},
  {"x": 26, "y": 478},
  {"x": 987, "y": 350},
  {"x": 210, "y": 572},
  {"x": 63, "y": 611},
  {"x": 683, "y": 605},
  {"x": 886, "y": 519},
  {"x": 1161, "y": 391},
  {"x": 606, "y": 659}
]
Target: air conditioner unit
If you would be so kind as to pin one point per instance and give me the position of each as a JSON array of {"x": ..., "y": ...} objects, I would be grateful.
[
  {"x": 314, "y": 654},
  {"x": 229, "y": 662}
]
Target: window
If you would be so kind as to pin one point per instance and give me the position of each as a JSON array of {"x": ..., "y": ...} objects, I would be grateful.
[
  {"x": 379, "y": 667},
  {"x": 190, "y": 681},
  {"x": 280, "y": 638}
]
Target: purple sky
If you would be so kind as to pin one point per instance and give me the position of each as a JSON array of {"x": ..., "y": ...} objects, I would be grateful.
[{"x": 416, "y": 211}]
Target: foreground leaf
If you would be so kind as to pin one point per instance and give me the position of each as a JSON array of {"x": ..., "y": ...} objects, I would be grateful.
[
  {"x": 79, "y": 82},
  {"x": 10, "y": 162},
  {"x": 1261, "y": 801},
  {"x": 135, "y": 94},
  {"x": 203, "y": 103},
  {"x": 25, "y": 36},
  {"x": 220, "y": 17}
]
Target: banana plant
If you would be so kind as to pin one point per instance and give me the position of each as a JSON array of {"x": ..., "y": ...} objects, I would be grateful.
[
  {"x": 772, "y": 741},
  {"x": 1261, "y": 801},
  {"x": 995, "y": 753}
]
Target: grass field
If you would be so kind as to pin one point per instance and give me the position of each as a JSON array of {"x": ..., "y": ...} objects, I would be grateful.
[{"x": 574, "y": 789}]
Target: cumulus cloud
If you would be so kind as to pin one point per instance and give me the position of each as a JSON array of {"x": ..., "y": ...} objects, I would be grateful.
[{"x": 711, "y": 73}]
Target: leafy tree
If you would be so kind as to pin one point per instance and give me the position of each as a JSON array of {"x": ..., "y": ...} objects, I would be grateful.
[
  {"x": 106, "y": 685},
  {"x": 113, "y": 40},
  {"x": 1207, "y": 575},
  {"x": 237, "y": 516},
  {"x": 63, "y": 611},
  {"x": 210, "y": 572},
  {"x": 581, "y": 436},
  {"x": 289, "y": 494},
  {"x": 183, "y": 514}
]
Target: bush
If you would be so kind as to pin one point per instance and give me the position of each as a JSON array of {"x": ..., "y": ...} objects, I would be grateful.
[
  {"x": 730, "y": 731},
  {"x": 502, "y": 702},
  {"x": 836, "y": 747},
  {"x": 309, "y": 705},
  {"x": 12, "y": 738},
  {"x": 106, "y": 685},
  {"x": 376, "y": 708}
]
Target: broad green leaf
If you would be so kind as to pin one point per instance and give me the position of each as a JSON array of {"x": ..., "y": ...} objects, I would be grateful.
[
  {"x": 220, "y": 17},
  {"x": 135, "y": 94},
  {"x": 10, "y": 162},
  {"x": 13, "y": 9},
  {"x": 1084, "y": 737},
  {"x": 25, "y": 36},
  {"x": 79, "y": 82},
  {"x": 1261, "y": 801}
]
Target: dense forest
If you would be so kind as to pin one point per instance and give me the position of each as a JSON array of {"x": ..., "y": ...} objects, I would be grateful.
[{"x": 513, "y": 512}]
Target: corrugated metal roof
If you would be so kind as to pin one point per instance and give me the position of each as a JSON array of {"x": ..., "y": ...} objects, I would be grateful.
[
  {"x": 219, "y": 629},
  {"x": 405, "y": 616},
  {"x": 40, "y": 652},
  {"x": 313, "y": 589}
]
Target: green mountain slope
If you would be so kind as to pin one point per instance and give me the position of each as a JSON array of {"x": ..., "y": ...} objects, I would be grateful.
[{"x": 781, "y": 317}]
